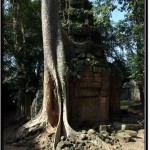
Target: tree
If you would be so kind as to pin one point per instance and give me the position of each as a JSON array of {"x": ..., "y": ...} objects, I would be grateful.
[
  {"x": 130, "y": 33},
  {"x": 22, "y": 52},
  {"x": 54, "y": 74},
  {"x": 102, "y": 19}
]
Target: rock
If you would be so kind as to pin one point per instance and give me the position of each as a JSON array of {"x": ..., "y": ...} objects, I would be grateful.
[
  {"x": 104, "y": 134},
  {"x": 115, "y": 147},
  {"x": 83, "y": 144},
  {"x": 113, "y": 134},
  {"x": 131, "y": 133},
  {"x": 94, "y": 148},
  {"x": 60, "y": 145},
  {"x": 68, "y": 144},
  {"x": 104, "y": 128},
  {"x": 111, "y": 142},
  {"x": 83, "y": 137},
  {"x": 141, "y": 132},
  {"x": 84, "y": 131},
  {"x": 80, "y": 146},
  {"x": 134, "y": 126},
  {"x": 87, "y": 146},
  {"x": 124, "y": 137},
  {"x": 71, "y": 139},
  {"x": 123, "y": 126},
  {"x": 38, "y": 147},
  {"x": 71, "y": 148},
  {"x": 78, "y": 141},
  {"x": 62, "y": 138},
  {"x": 107, "y": 140},
  {"x": 91, "y": 131}
]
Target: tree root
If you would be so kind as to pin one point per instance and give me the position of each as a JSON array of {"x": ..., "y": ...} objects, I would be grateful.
[{"x": 33, "y": 126}]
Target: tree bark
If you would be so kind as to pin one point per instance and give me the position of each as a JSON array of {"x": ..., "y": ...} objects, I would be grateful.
[{"x": 54, "y": 61}]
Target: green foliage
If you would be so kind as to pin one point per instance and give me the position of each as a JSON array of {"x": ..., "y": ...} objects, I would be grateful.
[
  {"x": 22, "y": 68},
  {"x": 102, "y": 13},
  {"x": 127, "y": 103},
  {"x": 127, "y": 34},
  {"x": 130, "y": 33}
]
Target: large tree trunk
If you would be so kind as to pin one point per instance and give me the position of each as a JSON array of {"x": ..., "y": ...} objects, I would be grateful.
[
  {"x": 54, "y": 61},
  {"x": 54, "y": 109}
]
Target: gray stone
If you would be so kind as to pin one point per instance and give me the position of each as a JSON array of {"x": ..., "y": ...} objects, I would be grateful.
[
  {"x": 131, "y": 133},
  {"x": 83, "y": 144},
  {"x": 71, "y": 139},
  {"x": 91, "y": 131},
  {"x": 124, "y": 136},
  {"x": 71, "y": 148},
  {"x": 141, "y": 133},
  {"x": 60, "y": 145},
  {"x": 134, "y": 127},
  {"x": 83, "y": 137},
  {"x": 62, "y": 138},
  {"x": 84, "y": 131},
  {"x": 104, "y": 133},
  {"x": 80, "y": 146},
  {"x": 78, "y": 141},
  {"x": 68, "y": 143},
  {"x": 107, "y": 140}
]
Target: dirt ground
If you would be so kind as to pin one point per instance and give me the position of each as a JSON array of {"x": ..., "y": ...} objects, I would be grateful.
[
  {"x": 10, "y": 128},
  {"x": 137, "y": 145}
]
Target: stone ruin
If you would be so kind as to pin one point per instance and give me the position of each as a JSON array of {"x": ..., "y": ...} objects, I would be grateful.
[
  {"x": 93, "y": 90},
  {"x": 94, "y": 84},
  {"x": 131, "y": 91}
]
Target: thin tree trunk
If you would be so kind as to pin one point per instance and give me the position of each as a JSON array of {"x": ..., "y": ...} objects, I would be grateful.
[{"x": 19, "y": 50}]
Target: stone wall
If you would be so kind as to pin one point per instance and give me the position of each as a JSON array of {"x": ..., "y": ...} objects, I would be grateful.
[{"x": 89, "y": 89}]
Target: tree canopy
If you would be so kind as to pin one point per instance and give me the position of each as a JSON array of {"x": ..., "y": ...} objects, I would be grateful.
[{"x": 22, "y": 38}]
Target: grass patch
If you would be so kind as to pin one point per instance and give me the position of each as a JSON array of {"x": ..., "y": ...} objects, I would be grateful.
[{"x": 127, "y": 103}]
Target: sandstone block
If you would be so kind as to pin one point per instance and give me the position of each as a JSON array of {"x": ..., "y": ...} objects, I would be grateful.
[
  {"x": 86, "y": 74},
  {"x": 131, "y": 133},
  {"x": 97, "y": 79},
  {"x": 124, "y": 137},
  {"x": 91, "y": 131},
  {"x": 97, "y": 75}
]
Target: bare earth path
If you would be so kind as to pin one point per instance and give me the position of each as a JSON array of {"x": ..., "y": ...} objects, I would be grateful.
[{"x": 10, "y": 128}]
